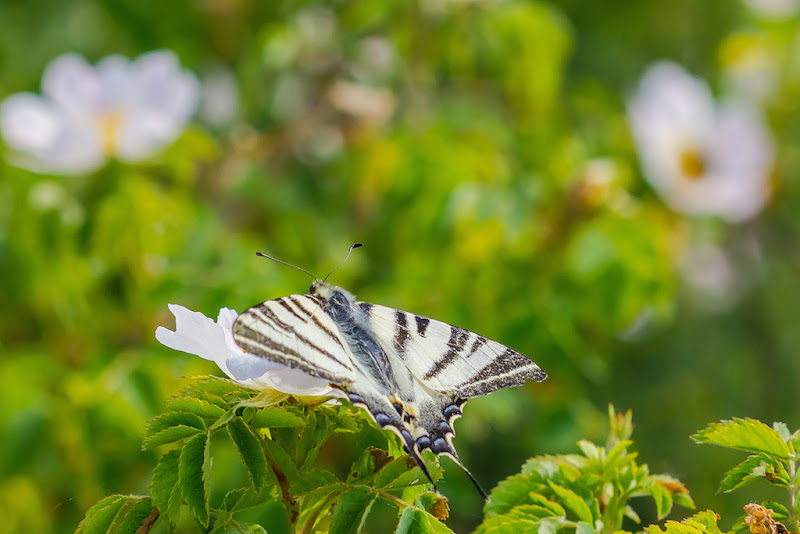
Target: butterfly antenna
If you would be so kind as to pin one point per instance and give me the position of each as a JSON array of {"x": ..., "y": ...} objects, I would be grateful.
[
  {"x": 285, "y": 263},
  {"x": 356, "y": 245}
]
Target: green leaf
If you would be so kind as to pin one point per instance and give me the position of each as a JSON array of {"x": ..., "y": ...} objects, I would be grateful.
[
  {"x": 351, "y": 509},
  {"x": 312, "y": 480},
  {"x": 522, "y": 519},
  {"x": 589, "y": 449},
  {"x": 222, "y": 421},
  {"x": 140, "y": 514},
  {"x": 101, "y": 516},
  {"x": 164, "y": 482},
  {"x": 240, "y": 499},
  {"x": 280, "y": 459},
  {"x": 417, "y": 521},
  {"x": 250, "y": 450},
  {"x": 700, "y": 523},
  {"x": 543, "y": 501},
  {"x": 193, "y": 476},
  {"x": 662, "y": 498},
  {"x": 745, "y": 434},
  {"x": 221, "y": 387},
  {"x": 273, "y": 417},
  {"x": 160, "y": 430},
  {"x": 509, "y": 493},
  {"x": 170, "y": 419},
  {"x": 169, "y": 435},
  {"x": 755, "y": 467},
  {"x": 574, "y": 502},
  {"x": 398, "y": 473},
  {"x": 200, "y": 407},
  {"x": 371, "y": 460},
  {"x": 584, "y": 528}
]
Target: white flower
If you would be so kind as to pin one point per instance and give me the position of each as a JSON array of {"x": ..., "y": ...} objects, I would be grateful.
[
  {"x": 128, "y": 109},
  {"x": 702, "y": 159},
  {"x": 197, "y": 334}
]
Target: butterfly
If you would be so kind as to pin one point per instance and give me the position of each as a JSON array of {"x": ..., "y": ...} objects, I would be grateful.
[{"x": 411, "y": 373}]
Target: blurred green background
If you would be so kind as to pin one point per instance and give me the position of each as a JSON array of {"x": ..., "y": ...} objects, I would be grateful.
[{"x": 488, "y": 168}]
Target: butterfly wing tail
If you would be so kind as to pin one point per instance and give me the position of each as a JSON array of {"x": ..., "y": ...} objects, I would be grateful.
[{"x": 386, "y": 416}]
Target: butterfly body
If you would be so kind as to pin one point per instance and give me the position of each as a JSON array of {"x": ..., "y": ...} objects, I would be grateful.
[{"x": 412, "y": 374}]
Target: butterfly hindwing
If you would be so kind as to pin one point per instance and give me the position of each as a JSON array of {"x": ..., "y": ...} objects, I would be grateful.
[
  {"x": 295, "y": 331},
  {"x": 449, "y": 359}
]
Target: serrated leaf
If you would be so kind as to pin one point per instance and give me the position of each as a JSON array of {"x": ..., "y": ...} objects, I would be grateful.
[
  {"x": 170, "y": 419},
  {"x": 250, "y": 450},
  {"x": 779, "y": 511},
  {"x": 700, "y": 523},
  {"x": 555, "y": 508},
  {"x": 371, "y": 461},
  {"x": 222, "y": 387},
  {"x": 312, "y": 480},
  {"x": 101, "y": 516},
  {"x": 684, "y": 500},
  {"x": 140, "y": 514},
  {"x": 522, "y": 519},
  {"x": 200, "y": 407},
  {"x": 222, "y": 421},
  {"x": 351, "y": 509},
  {"x": 280, "y": 459},
  {"x": 662, "y": 498},
  {"x": 417, "y": 521},
  {"x": 169, "y": 435},
  {"x": 589, "y": 449},
  {"x": 745, "y": 434},
  {"x": 630, "y": 513},
  {"x": 193, "y": 476},
  {"x": 509, "y": 493},
  {"x": 397, "y": 473},
  {"x": 753, "y": 468},
  {"x": 164, "y": 481},
  {"x": 273, "y": 417},
  {"x": 573, "y": 501}
]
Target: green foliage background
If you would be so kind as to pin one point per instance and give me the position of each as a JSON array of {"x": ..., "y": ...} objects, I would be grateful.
[{"x": 475, "y": 202}]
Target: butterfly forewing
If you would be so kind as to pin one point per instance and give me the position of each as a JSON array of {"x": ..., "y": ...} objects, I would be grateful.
[
  {"x": 449, "y": 359},
  {"x": 295, "y": 331}
]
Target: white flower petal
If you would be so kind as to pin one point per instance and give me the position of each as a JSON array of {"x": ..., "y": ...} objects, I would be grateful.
[
  {"x": 71, "y": 83},
  {"x": 161, "y": 85},
  {"x": 55, "y": 141},
  {"x": 162, "y": 98},
  {"x": 29, "y": 122},
  {"x": 197, "y": 334},
  {"x": 115, "y": 86}
]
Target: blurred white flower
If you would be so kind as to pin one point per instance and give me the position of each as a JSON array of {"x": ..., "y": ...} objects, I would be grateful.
[
  {"x": 774, "y": 9},
  {"x": 701, "y": 158},
  {"x": 129, "y": 109},
  {"x": 197, "y": 334}
]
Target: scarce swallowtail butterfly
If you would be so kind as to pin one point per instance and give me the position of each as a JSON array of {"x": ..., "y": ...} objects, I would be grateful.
[{"x": 412, "y": 374}]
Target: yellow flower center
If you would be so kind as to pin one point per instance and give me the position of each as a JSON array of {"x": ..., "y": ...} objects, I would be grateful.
[
  {"x": 109, "y": 124},
  {"x": 693, "y": 164}
]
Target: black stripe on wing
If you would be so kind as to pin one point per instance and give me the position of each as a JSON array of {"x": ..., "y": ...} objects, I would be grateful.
[
  {"x": 509, "y": 369},
  {"x": 458, "y": 338}
]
